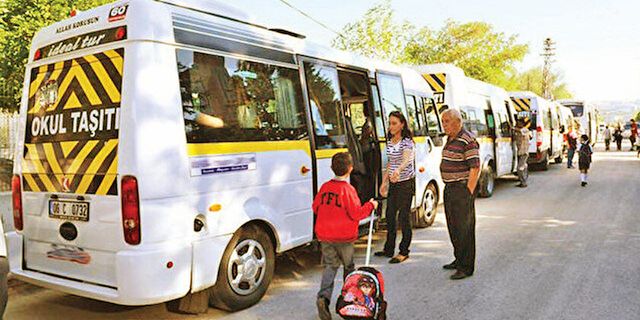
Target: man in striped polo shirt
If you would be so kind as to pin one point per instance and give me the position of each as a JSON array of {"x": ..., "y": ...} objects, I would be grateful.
[{"x": 460, "y": 170}]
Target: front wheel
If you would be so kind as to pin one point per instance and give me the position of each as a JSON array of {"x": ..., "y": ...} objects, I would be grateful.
[
  {"x": 245, "y": 272},
  {"x": 487, "y": 182},
  {"x": 425, "y": 215}
]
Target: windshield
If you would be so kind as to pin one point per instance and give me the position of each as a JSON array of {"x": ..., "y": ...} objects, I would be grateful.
[{"x": 576, "y": 109}]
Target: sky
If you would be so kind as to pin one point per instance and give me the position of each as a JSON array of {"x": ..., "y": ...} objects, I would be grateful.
[{"x": 597, "y": 42}]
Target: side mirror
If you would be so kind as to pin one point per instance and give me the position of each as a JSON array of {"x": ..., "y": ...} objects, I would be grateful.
[{"x": 438, "y": 140}]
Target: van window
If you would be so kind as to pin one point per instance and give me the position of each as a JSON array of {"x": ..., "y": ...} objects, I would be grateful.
[
  {"x": 380, "y": 131},
  {"x": 229, "y": 100},
  {"x": 391, "y": 94},
  {"x": 324, "y": 101},
  {"x": 474, "y": 120},
  {"x": 421, "y": 118},
  {"x": 433, "y": 124},
  {"x": 414, "y": 125}
]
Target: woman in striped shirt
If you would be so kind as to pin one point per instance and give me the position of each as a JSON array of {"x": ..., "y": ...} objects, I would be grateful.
[{"x": 399, "y": 183}]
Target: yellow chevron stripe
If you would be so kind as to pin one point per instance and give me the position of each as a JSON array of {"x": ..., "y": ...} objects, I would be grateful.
[
  {"x": 116, "y": 59},
  {"x": 434, "y": 85},
  {"x": 516, "y": 104},
  {"x": 90, "y": 173},
  {"x": 32, "y": 154},
  {"x": 67, "y": 146},
  {"x": 104, "y": 78},
  {"x": 76, "y": 73},
  {"x": 77, "y": 162},
  {"x": 109, "y": 178},
  {"x": 53, "y": 161},
  {"x": 35, "y": 83},
  {"x": 32, "y": 183},
  {"x": 443, "y": 79},
  {"x": 527, "y": 103}
]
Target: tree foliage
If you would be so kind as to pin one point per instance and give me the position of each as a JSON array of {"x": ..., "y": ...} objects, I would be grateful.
[
  {"x": 377, "y": 35},
  {"x": 531, "y": 80},
  {"x": 482, "y": 52},
  {"x": 19, "y": 21}
]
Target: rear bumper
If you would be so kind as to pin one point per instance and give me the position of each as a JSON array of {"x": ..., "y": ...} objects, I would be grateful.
[
  {"x": 142, "y": 276},
  {"x": 536, "y": 157}
]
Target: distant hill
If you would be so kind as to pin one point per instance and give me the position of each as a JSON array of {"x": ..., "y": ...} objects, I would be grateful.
[{"x": 618, "y": 110}]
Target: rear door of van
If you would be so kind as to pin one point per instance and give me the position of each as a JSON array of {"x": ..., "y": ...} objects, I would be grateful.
[{"x": 71, "y": 208}]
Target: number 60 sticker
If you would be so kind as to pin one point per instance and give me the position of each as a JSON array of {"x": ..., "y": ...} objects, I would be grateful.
[{"x": 118, "y": 13}]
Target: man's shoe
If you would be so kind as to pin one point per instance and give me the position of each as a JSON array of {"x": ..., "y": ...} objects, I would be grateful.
[
  {"x": 450, "y": 266},
  {"x": 459, "y": 275},
  {"x": 584, "y": 184},
  {"x": 399, "y": 258},
  {"x": 383, "y": 254},
  {"x": 521, "y": 185},
  {"x": 323, "y": 308}
]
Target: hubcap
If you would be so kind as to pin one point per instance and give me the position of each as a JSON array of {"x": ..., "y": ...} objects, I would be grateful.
[
  {"x": 428, "y": 204},
  {"x": 490, "y": 184},
  {"x": 247, "y": 266}
]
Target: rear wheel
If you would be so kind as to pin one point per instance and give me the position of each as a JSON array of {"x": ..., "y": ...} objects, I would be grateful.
[
  {"x": 425, "y": 215},
  {"x": 559, "y": 159},
  {"x": 487, "y": 182},
  {"x": 245, "y": 272},
  {"x": 544, "y": 165}
]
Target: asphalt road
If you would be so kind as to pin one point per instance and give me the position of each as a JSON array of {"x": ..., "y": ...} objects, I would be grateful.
[{"x": 552, "y": 251}]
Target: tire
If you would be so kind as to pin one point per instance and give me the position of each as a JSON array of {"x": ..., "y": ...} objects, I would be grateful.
[
  {"x": 252, "y": 286},
  {"x": 425, "y": 214},
  {"x": 544, "y": 164},
  {"x": 559, "y": 159},
  {"x": 487, "y": 182}
]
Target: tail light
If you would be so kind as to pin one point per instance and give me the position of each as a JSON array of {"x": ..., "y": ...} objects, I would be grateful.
[
  {"x": 16, "y": 191},
  {"x": 538, "y": 137},
  {"x": 130, "y": 210}
]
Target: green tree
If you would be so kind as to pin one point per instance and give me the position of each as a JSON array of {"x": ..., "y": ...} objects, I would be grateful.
[
  {"x": 19, "y": 21},
  {"x": 475, "y": 47},
  {"x": 637, "y": 117},
  {"x": 377, "y": 35},
  {"x": 531, "y": 80}
]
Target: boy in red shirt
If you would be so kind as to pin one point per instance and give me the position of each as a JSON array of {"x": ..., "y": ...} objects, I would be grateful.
[{"x": 338, "y": 211}]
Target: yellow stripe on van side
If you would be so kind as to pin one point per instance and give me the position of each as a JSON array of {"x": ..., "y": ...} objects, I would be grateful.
[
  {"x": 104, "y": 78},
  {"x": 202, "y": 149},
  {"x": 485, "y": 140},
  {"x": 108, "y": 179},
  {"x": 508, "y": 140},
  {"x": 420, "y": 139},
  {"x": 328, "y": 153}
]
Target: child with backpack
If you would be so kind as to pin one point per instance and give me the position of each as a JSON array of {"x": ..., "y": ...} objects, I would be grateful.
[
  {"x": 338, "y": 210},
  {"x": 584, "y": 158}
]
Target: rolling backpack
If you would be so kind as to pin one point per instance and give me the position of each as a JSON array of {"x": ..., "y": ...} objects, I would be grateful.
[{"x": 362, "y": 295}]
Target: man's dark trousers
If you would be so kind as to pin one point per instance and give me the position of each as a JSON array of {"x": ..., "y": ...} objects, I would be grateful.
[{"x": 459, "y": 208}]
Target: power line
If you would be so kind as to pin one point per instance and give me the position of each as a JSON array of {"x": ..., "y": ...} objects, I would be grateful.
[{"x": 311, "y": 18}]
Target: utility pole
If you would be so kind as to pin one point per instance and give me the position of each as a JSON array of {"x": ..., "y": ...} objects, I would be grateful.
[{"x": 548, "y": 53}]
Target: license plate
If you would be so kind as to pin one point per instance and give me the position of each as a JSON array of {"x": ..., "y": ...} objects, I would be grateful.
[{"x": 69, "y": 210}]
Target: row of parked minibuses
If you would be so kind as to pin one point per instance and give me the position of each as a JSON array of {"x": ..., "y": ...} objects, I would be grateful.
[{"x": 168, "y": 154}]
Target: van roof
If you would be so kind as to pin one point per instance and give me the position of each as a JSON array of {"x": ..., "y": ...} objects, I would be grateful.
[{"x": 160, "y": 27}]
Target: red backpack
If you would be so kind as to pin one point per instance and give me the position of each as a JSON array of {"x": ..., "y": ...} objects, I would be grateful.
[{"x": 362, "y": 296}]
